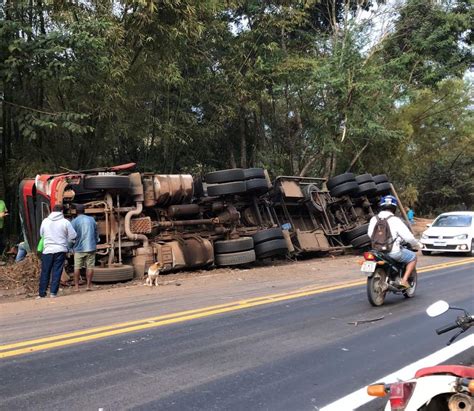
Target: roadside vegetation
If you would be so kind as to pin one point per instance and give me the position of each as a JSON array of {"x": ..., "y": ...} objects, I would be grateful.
[{"x": 299, "y": 87}]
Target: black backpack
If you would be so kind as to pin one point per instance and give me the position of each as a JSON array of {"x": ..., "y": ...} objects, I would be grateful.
[{"x": 382, "y": 236}]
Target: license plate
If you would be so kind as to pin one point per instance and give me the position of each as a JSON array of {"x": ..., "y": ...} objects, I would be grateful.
[
  {"x": 440, "y": 243},
  {"x": 368, "y": 267}
]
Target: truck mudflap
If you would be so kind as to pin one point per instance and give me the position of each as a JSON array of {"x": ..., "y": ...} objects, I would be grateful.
[{"x": 311, "y": 241}]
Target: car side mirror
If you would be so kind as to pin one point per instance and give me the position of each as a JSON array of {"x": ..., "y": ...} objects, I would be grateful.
[{"x": 437, "y": 308}]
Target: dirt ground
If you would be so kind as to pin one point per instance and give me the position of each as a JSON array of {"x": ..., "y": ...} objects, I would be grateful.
[{"x": 20, "y": 281}]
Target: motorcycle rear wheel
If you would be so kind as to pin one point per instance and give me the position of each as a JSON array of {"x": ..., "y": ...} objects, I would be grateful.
[
  {"x": 413, "y": 281},
  {"x": 375, "y": 290}
]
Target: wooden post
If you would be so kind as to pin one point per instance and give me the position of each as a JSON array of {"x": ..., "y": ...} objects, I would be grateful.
[{"x": 400, "y": 206}]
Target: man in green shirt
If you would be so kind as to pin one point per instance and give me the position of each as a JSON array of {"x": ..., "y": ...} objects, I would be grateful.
[{"x": 3, "y": 213}]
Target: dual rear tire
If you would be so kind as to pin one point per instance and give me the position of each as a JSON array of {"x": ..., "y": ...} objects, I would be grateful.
[
  {"x": 236, "y": 181},
  {"x": 234, "y": 252}
]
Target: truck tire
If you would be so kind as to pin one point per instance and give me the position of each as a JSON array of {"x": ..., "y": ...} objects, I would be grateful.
[
  {"x": 340, "y": 179},
  {"x": 356, "y": 232},
  {"x": 225, "y": 176},
  {"x": 350, "y": 187},
  {"x": 256, "y": 185},
  {"x": 236, "y": 187},
  {"x": 233, "y": 246},
  {"x": 250, "y": 173},
  {"x": 383, "y": 188},
  {"x": 364, "y": 178},
  {"x": 243, "y": 257},
  {"x": 271, "y": 248},
  {"x": 361, "y": 241},
  {"x": 267, "y": 235},
  {"x": 112, "y": 274},
  {"x": 381, "y": 178},
  {"x": 368, "y": 188},
  {"x": 106, "y": 182},
  {"x": 312, "y": 203}
]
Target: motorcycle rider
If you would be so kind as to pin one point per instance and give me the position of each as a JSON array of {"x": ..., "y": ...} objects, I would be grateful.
[{"x": 400, "y": 233}]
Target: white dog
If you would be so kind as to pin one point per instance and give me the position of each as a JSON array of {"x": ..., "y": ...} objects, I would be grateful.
[{"x": 153, "y": 273}]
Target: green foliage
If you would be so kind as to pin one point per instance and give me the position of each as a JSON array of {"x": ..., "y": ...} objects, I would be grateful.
[{"x": 182, "y": 85}]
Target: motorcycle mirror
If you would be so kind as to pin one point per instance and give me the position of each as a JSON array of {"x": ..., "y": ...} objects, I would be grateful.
[{"x": 437, "y": 308}]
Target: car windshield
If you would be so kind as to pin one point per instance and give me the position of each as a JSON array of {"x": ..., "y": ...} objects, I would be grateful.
[{"x": 453, "y": 221}]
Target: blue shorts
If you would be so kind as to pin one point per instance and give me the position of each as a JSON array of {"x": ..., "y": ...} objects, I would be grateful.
[{"x": 403, "y": 256}]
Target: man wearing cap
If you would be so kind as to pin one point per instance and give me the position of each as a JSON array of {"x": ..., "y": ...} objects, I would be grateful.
[{"x": 85, "y": 246}]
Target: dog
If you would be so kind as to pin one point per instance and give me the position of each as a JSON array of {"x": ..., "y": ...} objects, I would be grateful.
[{"x": 153, "y": 273}]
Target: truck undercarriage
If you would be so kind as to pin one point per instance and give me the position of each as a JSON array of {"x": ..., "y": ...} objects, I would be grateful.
[{"x": 224, "y": 218}]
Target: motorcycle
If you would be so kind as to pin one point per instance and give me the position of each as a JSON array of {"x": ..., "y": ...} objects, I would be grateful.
[
  {"x": 442, "y": 387},
  {"x": 384, "y": 275}
]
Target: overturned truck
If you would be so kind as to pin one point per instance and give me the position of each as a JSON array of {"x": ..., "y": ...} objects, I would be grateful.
[{"x": 224, "y": 218}]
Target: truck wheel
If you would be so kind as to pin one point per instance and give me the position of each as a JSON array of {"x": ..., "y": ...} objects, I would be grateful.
[
  {"x": 267, "y": 235},
  {"x": 381, "y": 178},
  {"x": 356, "y": 232},
  {"x": 250, "y": 173},
  {"x": 106, "y": 182},
  {"x": 225, "y": 176},
  {"x": 243, "y": 257},
  {"x": 361, "y": 241},
  {"x": 364, "y": 178},
  {"x": 340, "y": 179},
  {"x": 344, "y": 189},
  {"x": 366, "y": 189},
  {"x": 271, "y": 248},
  {"x": 312, "y": 203},
  {"x": 425, "y": 252},
  {"x": 383, "y": 188},
  {"x": 257, "y": 185},
  {"x": 233, "y": 246},
  {"x": 112, "y": 274},
  {"x": 236, "y": 187}
]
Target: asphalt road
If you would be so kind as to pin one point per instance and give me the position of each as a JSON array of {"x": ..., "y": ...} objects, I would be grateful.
[{"x": 299, "y": 354}]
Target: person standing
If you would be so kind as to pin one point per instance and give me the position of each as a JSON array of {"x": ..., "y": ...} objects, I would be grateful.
[
  {"x": 3, "y": 213},
  {"x": 58, "y": 234},
  {"x": 85, "y": 246},
  {"x": 411, "y": 215}
]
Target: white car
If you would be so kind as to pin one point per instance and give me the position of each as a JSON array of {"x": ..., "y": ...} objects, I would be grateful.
[{"x": 450, "y": 232}]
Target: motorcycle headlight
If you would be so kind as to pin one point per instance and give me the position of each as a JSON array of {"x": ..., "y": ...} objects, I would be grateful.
[
  {"x": 461, "y": 237},
  {"x": 424, "y": 236}
]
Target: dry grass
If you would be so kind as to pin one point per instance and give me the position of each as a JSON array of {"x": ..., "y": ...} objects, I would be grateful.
[{"x": 23, "y": 276}]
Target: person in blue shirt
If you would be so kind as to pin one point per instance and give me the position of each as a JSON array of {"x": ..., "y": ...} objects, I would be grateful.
[
  {"x": 411, "y": 215},
  {"x": 85, "y": 246}
]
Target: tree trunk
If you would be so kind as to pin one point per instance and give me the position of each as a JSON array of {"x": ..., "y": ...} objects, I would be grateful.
[
  {"x": 233, "y": 163},
  {"x": 243, "y": 140},
  {"x": 357, "y": 156}
]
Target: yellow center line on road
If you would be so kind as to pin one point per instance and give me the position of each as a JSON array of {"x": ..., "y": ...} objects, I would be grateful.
[{"x": 24, "y": 347}]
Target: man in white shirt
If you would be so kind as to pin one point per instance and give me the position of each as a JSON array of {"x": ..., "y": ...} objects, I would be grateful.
[
  {"x": 58, "y": 235},
  {"x": 400, "y": 233}
]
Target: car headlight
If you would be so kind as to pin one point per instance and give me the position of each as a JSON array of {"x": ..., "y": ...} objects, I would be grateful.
[
  {"x": 424, "y": 236},
  {"x": 461, "y": 237}
]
